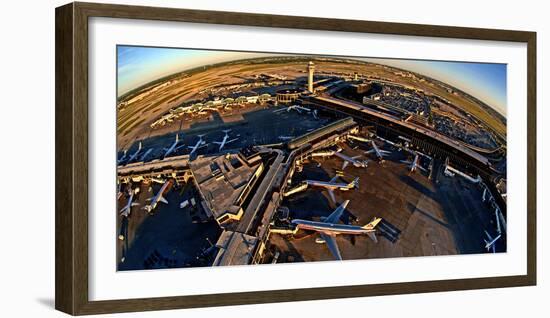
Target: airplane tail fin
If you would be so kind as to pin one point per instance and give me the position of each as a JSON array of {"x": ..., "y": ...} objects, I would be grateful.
[
  {"x": 226, "y": 130},
  {"x": 177, "y": 137},
  {"x": 139, "y": 146},
  {"x": 163, "y": 200},
  {"x": 372, "y": 225}
]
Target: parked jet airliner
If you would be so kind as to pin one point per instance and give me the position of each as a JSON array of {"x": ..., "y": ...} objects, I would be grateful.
[{"x": 329, "y": 227}]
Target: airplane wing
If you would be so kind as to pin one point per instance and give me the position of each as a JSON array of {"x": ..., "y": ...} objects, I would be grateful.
[
  {"x": 421, "y": 168},
  {"x": 370, "y": 151},
  {"x": 334, "y": 217},
  {"x": 334, "y": 179},
  {"x": 231, "y": 140},
  {"x": 384, "y": 151},
  {"x": 345, "y": 164},
  {"x": 332, "y": 246},
  {"x": 331, "y": 194},
  {"x": 217, "y": 142},
  {"x": 372, "y": 236}
]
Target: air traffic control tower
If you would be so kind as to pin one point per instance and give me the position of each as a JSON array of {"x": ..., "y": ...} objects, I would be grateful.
[{"x": 310, "y": 70}]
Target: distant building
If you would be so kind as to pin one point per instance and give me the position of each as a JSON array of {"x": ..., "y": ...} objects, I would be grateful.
[
  {"x": 310, "y": 70},
  {"x": 287, "y": 96}
]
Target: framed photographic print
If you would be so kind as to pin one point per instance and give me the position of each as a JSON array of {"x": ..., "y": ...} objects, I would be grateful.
[{"x": 218, "y": 158}]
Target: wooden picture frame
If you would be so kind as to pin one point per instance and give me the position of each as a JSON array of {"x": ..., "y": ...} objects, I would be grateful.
[{"x": 71, "y": 221}]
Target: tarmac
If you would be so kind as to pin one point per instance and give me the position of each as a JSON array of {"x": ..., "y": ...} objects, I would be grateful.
[{"x": 421, "y": 217}]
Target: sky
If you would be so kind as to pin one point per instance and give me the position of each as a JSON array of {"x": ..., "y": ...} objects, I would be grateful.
[{"x": 140, "y": 65}]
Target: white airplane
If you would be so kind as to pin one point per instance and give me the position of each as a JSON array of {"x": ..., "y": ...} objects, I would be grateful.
[
  {"x": 146, "y": 154},
  {"x": 156, "y": 199},
  {"x": 332, "y": 185},
  {"x": 173, "y": 148},
  {"x": 297, "y": 108},
  {"x": 284, "y": 138},
  {"x": 353, "y": 160},
  {"x": 200, "y": 143},
  {"x": 224, "y": 140},
  {"x": 379, "y": 152},
  {"x": 123, "y": 158},
  {"x": 135, "y": 154},
  {"x": 414, "y": 164},
  {"x": 359, "y": 138},
  {"x": 330, "y": 226},
  {"x": 125, "y": 211},
  {"x": 490, "y": 242}
]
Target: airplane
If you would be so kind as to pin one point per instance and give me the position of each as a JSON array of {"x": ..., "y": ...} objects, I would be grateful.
[
  {"x": 200, "y": 143},
  {"x": 352, "y": 160},
  {"x": 125, "y": 211},
  {"x": 358, "y": 138},
  {"x": 490, "y": 243},
  {"x": 286, "y": 137},
  {"x": 173, "y": 148},
  {"x": 333, "y": 185},
  {"x": 224, "y": 140},
  {"x": 414, "y": 164},
  {"x": 135, "y": 154},
  {"x": 156, "y": 199},
  {"x": 329, "y": 227},
  {"x": 123, "y": 158},
  {"x": 379, "y": 152},
  {"x": 315, "y": 114},
  {"x": 146, "y": 154},
  {"x": 297, "y": 108}
]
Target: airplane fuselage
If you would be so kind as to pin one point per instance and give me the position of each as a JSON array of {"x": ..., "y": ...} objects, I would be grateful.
[
  {"x": 414, "y": 164},
  {"x": 146, "y": 154},
  {"x": 358, "y": 138},
  {"x": 323, "y": 153},
  {"x": 156, "y": 199},
  {"x": 328, "y": 185},
  {"x": 357, "y": 163},
  {"x": 135, "y": 154},
  {"x": 224, "y": 140},
  {"x": 122, "y": 159},
  {"x": 128, "y": 207},
  {"x": 172, "y": 148},
  {"x": 196, "y": 146},
  {"x": 330, "y": 228}
]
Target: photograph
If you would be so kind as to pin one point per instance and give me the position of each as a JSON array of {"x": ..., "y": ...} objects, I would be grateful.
[{"x": 242, "y": 158}]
